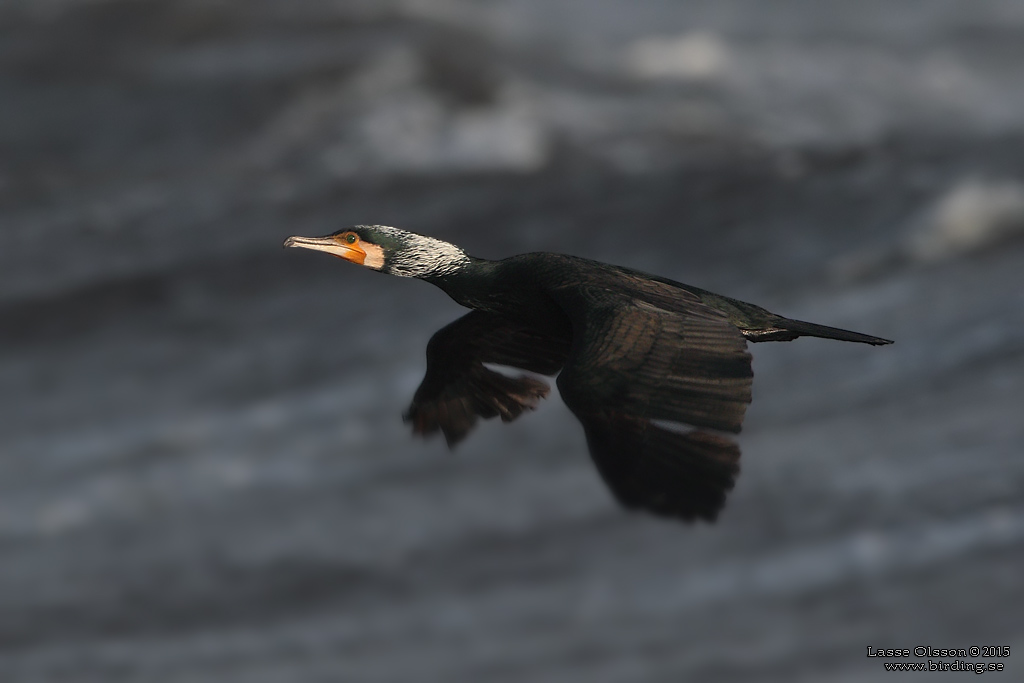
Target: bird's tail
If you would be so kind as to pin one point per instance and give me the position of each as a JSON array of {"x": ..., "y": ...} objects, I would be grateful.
[{"x": 801, "y": 328}]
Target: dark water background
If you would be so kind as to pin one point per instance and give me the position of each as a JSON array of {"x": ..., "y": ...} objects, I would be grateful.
[{"x": 203, "y": 473}]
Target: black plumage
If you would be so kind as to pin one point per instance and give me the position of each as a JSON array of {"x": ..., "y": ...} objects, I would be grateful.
[{"x": 656, "y": 371}]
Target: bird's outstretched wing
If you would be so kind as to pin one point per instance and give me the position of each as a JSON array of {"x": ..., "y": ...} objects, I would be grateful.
[
  {"x": 646, "y": 353},
  {"x": 458, "y": 388}
]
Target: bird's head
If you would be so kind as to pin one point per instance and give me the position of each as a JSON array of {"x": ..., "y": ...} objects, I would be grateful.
[{"x": 389, "y": 250}]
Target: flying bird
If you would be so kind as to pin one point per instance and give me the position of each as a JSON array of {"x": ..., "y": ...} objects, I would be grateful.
[{"x": 656, "y": 371}]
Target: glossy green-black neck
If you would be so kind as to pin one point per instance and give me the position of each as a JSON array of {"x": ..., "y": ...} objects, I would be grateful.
[{"x": 473, "y": 284}]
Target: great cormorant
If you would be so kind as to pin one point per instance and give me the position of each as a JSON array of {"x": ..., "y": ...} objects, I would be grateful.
[{"x": 655, "y": 370}]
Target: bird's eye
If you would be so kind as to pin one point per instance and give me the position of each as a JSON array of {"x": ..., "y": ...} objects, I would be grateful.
[{"x": 351, "y": 238}]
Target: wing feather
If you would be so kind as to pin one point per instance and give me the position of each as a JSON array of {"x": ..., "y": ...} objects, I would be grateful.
[
  {"x": 647, "y": 352},
  {"x": 458, "y": 388}
]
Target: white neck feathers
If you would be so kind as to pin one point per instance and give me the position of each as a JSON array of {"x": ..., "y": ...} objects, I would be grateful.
[{"x": 423, "y": 256}]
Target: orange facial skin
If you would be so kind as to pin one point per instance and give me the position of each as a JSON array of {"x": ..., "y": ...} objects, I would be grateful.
[{"x": 353, "y": 250}]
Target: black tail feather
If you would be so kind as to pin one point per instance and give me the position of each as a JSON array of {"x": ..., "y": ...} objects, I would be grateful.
[{"x": 786, "y": 329}]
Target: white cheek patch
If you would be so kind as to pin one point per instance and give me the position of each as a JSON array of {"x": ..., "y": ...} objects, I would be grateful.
[{"x": 374, "y": 256}]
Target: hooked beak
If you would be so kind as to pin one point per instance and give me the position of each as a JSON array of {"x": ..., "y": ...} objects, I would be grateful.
[{"x": 329, "y": 244}]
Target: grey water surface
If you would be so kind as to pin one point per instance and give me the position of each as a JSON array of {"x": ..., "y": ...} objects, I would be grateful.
[{"x": 203, "y": 471}]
